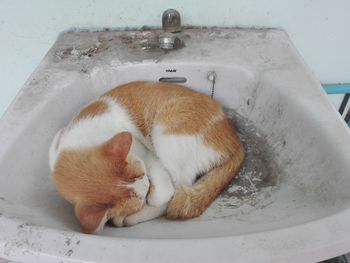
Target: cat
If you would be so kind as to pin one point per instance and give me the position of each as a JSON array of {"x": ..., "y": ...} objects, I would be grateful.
[{"x": 143, "y": 150}]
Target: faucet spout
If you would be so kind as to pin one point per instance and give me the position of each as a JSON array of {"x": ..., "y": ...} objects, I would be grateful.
[{"x": 171, "y": 21}]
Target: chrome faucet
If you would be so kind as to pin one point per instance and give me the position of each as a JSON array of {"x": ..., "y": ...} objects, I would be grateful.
[{"x": 171, "y": 22}]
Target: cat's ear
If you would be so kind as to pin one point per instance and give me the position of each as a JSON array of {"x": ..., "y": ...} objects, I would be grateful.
[
  {"x": 118, "y": 146},
  {"x": 91, "y": 217}
]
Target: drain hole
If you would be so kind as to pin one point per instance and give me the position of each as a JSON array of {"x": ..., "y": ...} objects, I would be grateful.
[{"x": 173, "y": 80}]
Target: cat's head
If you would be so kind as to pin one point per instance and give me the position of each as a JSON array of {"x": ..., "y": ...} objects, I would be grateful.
[{"x": 102, "y": 182}]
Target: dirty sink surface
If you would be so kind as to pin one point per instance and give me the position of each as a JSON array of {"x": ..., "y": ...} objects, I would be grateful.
[{"x": 289, "y": 202}]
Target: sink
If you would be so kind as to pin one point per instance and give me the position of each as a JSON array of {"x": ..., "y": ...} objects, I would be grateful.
[{"x": 290, "y": 202}]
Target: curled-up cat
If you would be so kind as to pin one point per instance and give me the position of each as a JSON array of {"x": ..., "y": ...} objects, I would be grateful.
[{"x": 136, "y": 153}]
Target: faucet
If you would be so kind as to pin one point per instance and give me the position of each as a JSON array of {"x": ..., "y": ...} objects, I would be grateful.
[
  {"x": 170, "y": 38},
  {"x": 171, "y": 21}
]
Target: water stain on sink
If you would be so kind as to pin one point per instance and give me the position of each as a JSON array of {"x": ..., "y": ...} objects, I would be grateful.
[{"x": 258, "y": 177}]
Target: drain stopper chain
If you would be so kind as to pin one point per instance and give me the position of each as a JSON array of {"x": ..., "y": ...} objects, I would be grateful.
[{"x": 211, "y": 77}]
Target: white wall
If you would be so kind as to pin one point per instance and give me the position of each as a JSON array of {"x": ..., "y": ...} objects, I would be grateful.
[{"x": 319, "y": 28}]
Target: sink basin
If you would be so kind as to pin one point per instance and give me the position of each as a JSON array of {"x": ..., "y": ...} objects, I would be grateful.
[{"x": 298, "y": 210}]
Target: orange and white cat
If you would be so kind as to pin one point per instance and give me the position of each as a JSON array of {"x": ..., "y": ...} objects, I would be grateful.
[{"x": 136, "y": 154}]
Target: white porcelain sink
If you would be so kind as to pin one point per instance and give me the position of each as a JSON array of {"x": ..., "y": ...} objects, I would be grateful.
[{"x": 298, "y": 213}]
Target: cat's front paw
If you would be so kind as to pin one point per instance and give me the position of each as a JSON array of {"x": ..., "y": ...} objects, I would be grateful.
[
  {"x": 131, "y": 220},
  {"x": 122, "y": 221},
  {"x": 118, "y": 221},
  {"x": 145, "y": 214},
  {"x": 158, "y": 196}
]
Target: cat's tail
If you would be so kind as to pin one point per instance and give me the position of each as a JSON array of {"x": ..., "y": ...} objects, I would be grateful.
[{"x": 190, "y": 202}]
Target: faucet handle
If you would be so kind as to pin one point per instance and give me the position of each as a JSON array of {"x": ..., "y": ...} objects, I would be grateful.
[{"x": 171, "y": 21}]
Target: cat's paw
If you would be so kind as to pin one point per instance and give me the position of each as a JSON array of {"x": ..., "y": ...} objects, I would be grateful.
[
  {"x": 158, "y": 196},
  {"x": 121, "y": 221},
  {"x": 131, "y": 220},
  {"x": 118, "y": 221}
]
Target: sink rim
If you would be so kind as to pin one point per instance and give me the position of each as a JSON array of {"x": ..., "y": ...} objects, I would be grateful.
[
  {"x": 265, "y": 243},
  {"x": 272, "y": 246}
]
